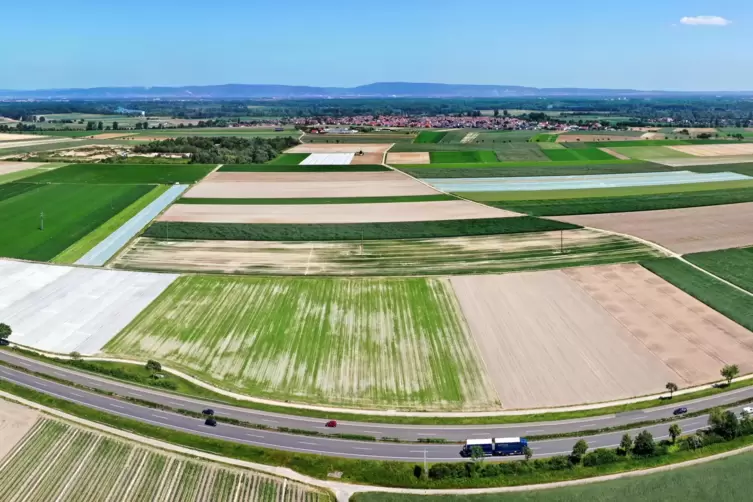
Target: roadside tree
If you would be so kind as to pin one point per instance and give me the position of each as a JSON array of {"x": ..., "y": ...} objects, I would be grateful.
[
  {"x": 626, "y": 444},
  {"x": 153, "y": 365},
  {"x": 730, "y": 371},
  {"x": 5, "y": 331},
  {"x": 674, "y": 431},
  {"x": 644, "y": 444},
  {"x": 579, "y": 449},
  {"x": 671, "y": 387}
]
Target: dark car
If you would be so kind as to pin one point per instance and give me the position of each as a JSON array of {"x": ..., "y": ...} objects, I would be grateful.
[
  {"x": 680, "y": 411},
  {"x": 208, "y": 411},
  {"x": 331, "y": 423},
  {"x": 210, "y": 422},
  {"x": 3, "y": 341}
]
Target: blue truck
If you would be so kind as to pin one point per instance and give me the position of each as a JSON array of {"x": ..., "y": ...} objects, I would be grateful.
[{"x": 496, "y": 446}]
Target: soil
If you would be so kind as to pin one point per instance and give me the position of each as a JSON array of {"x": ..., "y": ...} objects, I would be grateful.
[
  {"x": 13, "y": 167},
  {"x": 340, "y": 148},
  {"x": 15, "y": 422},
  {"x": 408, "y": 158},
  {"x": 592, "y": 138},
  {"x": 614, "y": 154},
  {"x": 715, "y": 150}
]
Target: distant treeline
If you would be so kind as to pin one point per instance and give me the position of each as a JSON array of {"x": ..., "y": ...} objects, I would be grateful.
[{"x": 221, "y": 150}]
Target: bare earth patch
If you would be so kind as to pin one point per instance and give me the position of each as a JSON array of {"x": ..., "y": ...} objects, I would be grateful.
[
  {"x": 20, "y": 137},
  {"x": 614, "y": 154},
  {"x": 333, "y": 213},
  {"x": 368, "y": 159},
  {"x": 704, "y": 161},
  {"x": 715, "y": 150},
  {"x": 592, "y": 138},
  {"x": 14, "y": 167},
  {"x": 408, "y": 158},
  {"x": 595, "y": 334},
  {"x": 687, "y": 230},
  {"x": 15, "y": 422},
  {"x": 339, "y": 148}
]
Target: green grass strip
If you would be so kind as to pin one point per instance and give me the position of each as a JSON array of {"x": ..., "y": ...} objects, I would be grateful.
[
  {"x": 550, "y": 169},
  {"x": 319, "y": 200},
  {"x": 649, "y": 202},
  {"x": 273, "y": 168},
  {"x": 351, "y": 231},
  {"x": 520, "y": 163},
  {"x": 83, "y": 246},
  {"x": 430, "y": 136},
  {"x": 287, "y": 159},
  {"x": 124, "y": 174},
  {"x": 734, "y": 265},
  {"x": 725, "y": 299}
]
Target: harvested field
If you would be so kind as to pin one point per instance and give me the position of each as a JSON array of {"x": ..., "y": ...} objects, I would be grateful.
[
  {"x": 334, "y": 213},
  {"x": 370, "y": 158},
  {"x": 695, "y": 131},
  {"x": 339, "y": 148},
  {"x": 37, "y": 142},
  {"x": 595, "y": 334},
  {"x": 249, "y": 185},
  {"x": 457, "y": 255},
  {"x": 65, "y": 309},
  {"x": 4, "y": 136},
  {"x": 704, "y": 161},
  {"x": 408, "y": 158},
  {"x": 113, "y": 135},
  {"x": 614, "y": 154},
  {"x": 688, "y": 230},
  {"x": 591, "y": 138},
  {"x": 328, "y": 159},
  {"x": 15, "y": 422},
  {"x": 373, "y": 343},
  {"x": 715, "y": 150},
  {"x": 64, "y": 463},
  {"x": 14, "y": 167}
]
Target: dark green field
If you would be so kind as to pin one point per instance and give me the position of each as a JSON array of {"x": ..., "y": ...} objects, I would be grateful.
[
  {"x": 124, "y": 174},
  {"x": 472, "y": 156},
  {"x": 645, "y": 142},
  {"x": 575, "y": 155},
  {"x": 70, "y": 212},
  {"x": 288, "y": 159},
  {"x": 430, "y": 136},
  {"x": 356, "y": 231},
  {"x": 321, "y": 200},
  {"x": 549, "y": 170},
  {"x": 725, "y": 299},
  {"x": 733, "y": 265},
  {"x": 272, "y": 168}
]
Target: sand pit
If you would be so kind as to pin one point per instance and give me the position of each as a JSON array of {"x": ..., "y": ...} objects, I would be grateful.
[
  {"x": 687, "y": 230},
  {"x": 592, "y": 138},
  {"x": 328, "y": 159},
  {"x": 299, "y": 185},
  {"x": 340, "y": 148},
  {"x": 370, "y": 158},
  {"x": 595, "y": 334},
  {"x": 14, "y": 167},
  {"x": 408, "y": 158},
  {"x": 614, "y": 154},
  {"x": 715, "y": 150},
  {"x": 15, "y": 422},
  {"x": 333, "y": 213}
]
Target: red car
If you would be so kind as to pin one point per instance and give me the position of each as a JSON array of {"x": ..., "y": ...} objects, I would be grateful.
[{"x": 331, "y": 423}]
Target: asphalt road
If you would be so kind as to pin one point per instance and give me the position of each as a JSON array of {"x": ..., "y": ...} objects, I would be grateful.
[{"x": 300, "y": 443}]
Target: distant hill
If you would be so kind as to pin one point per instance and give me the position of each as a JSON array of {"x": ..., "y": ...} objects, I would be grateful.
[{"x": 376, "y": 90}]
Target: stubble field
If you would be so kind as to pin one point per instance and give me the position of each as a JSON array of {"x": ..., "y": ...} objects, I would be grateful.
[{"x": 370, "y": 343}]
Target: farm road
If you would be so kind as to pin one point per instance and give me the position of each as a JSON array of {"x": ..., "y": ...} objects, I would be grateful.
[{"x": 339, "y": 447}]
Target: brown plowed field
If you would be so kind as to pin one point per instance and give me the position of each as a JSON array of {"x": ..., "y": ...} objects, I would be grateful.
[
  {"x": 13, "y": 167},
  {"x": 15, "y": 422},
  {"x": 408, "y": 158},
  {"x": 715, "y": 150},
  {"x": 368, "y": 159},
  {"x": 301, "y": 185},
  {"x": 333, "y": 213},
  {"x": 704, "y": 161},
  {"x": 595, "y": 334},
  {"x": 592, "y": 138},
  {"x": 687, "y": 230},
  {"x": 340, "y": 148}
]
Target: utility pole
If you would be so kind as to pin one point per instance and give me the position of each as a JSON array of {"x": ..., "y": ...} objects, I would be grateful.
[
  {"x": 562, "y": 250},
  {"x": 41, "y": 220},
  {"x": 426, "y": 470}
]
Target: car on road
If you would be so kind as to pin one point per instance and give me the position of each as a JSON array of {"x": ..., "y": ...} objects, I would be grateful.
[
  {"x": 210, "y": 422},
  {"x": 331, "y": 423},
  {"x": 680, "y": 411},
  {"x": 208, "y": 411},
  {"x": 748, "y": 410},
  {"x": 3, "y": 341}
]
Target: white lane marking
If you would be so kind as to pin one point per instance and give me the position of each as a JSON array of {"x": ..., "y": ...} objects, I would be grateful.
[
  {"x": 304, "y": 442},
  {"x": 42, "y": 384},
  {"x": 255, "y": 436},
  {"x": 364, "y": 449},
  {"x": 118, "y": 406},
  {"x": 372, "y": 432},
  {"x": 176, "y": 404},
  {"x": 59, "y": 374},
  {"x": 161, "y": 417},
  {"x": 425, "y": 434}
]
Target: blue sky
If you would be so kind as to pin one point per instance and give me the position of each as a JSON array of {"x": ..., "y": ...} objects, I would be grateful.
[{"x": 544, "y": 43}]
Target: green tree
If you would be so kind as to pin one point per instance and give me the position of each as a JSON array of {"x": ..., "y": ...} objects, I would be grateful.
[
  {"x": 100, "y": 125},
  {"x": 579, "y": 449},
  {"x": 528, "y": 452},
  {"x": 626, "y": 443},
  {"x": 114, "y": 126},
  {"x": 5, "y": 331},
  {"x": 674, "y": 431},
  {"x": 153, "y": 365},
  {"x": 76, "y": 356},
  {"x": 477, "y": 453},
  {"x": 671, "y": 387},
  {"x": 644, "y": 444},
  {"x": 730, "y": 371},
  {"x": 695, "y": 441}
]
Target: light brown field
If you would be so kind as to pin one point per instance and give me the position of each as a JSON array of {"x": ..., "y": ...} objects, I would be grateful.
[
  {"x": 333, "y": 213},
  {"x": 43, "y": 140},
  {"x": 4, "y": 136},
  {"x": 14, "y": 167},
  {"x": 644, "y": 129},
  {"x": 592, "y": 138},
  {"x": 715, "y": 150},
  {"x": 704, "y": 161},
  {"x": 687, "y": 230},
  {"x": 653, "y": 135},
  {"x": 368, "y": 158},
  {"x": 614, "y": 154},
  {"x": 408, "y": 158},
  {"x": 112, "y": 135},
  {"x": 301, "y": 185},
  {"x": 15, "y": 422},
  {"x": 339, "y": 148},
  {"x": 695, "y": 131},
  {"x": 594, "y": 334}
]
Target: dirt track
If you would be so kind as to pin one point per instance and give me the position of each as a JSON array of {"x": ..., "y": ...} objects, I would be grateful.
[
  {"x": 614, "y": 154},
  {"x": 688, "y": 230},
  {"x": 333, "y": 213},
  {"x": 340, "y": 148},
  {"x": 408, "y": 158}
]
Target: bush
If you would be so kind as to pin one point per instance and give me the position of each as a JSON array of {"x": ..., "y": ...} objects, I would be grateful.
[
  {"x": 644, "y": 444},
  {"x": 601, "y": 456}
]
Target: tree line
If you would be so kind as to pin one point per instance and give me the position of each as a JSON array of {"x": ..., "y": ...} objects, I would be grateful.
[{"x": 221, "y": 150}]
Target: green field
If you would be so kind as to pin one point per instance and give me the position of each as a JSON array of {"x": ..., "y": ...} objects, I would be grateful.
[
  {"x": 430, "y": 136},
  {"x": 588, "y": 154},
  {"x": 70, "y": 212},
  {"x": 541, "y": 169},
  {"x": 646, "y": 143},
  {"x": 124, "y": 174},
  {"x": 525, "y": 163},
  {"x": 473, "y": 156},
  {"x": 406, "y": 139},
  {"x": 733, "y": 265},
  {"x": 725, "y": 480},
  {"x": 18, "y": 175},
  {"x": 63, "y": 463},
  {"x": 321, "y": 200},
  {"x": 351, "y": 231},
  {"x": 544, "y": 138},
  {"x": 288, "y": 159},
  {"x": 649, "y": 152},
  {"x": 272, "y": 168},
  {"x": 519, "y": 151},
  {"x": 725, "y": 299},
  {"x": 395, "y": 343}
]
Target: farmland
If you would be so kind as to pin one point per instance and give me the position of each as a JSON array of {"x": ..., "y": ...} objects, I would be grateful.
[
  {"x": 460, "y": 255},
  {"x": 64, "y": 463},
  {"x": 278, "y": 168},
  {"x": 372, "y": 343},
  {"x": 86, "y": 208},
  {"x": 124, "y": 174},
  {"x": 517, "y": 169},
  {"x": 483, "y": 156},
  {"x": 588, "y": 154},
  {"x": 733, "y": 265},
  {"x": 320, "y": 200},
  {"x": 430, "y": 136},
  {"x": 288, "y": 159}
]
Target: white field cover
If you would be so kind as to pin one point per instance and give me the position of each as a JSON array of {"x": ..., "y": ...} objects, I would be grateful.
[
  {"x": 66, "y": 309},
  {"x": 328, "y": 159}
]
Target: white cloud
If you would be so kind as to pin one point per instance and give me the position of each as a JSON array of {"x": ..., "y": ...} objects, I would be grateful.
[{"x": 705, "y": 21}]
